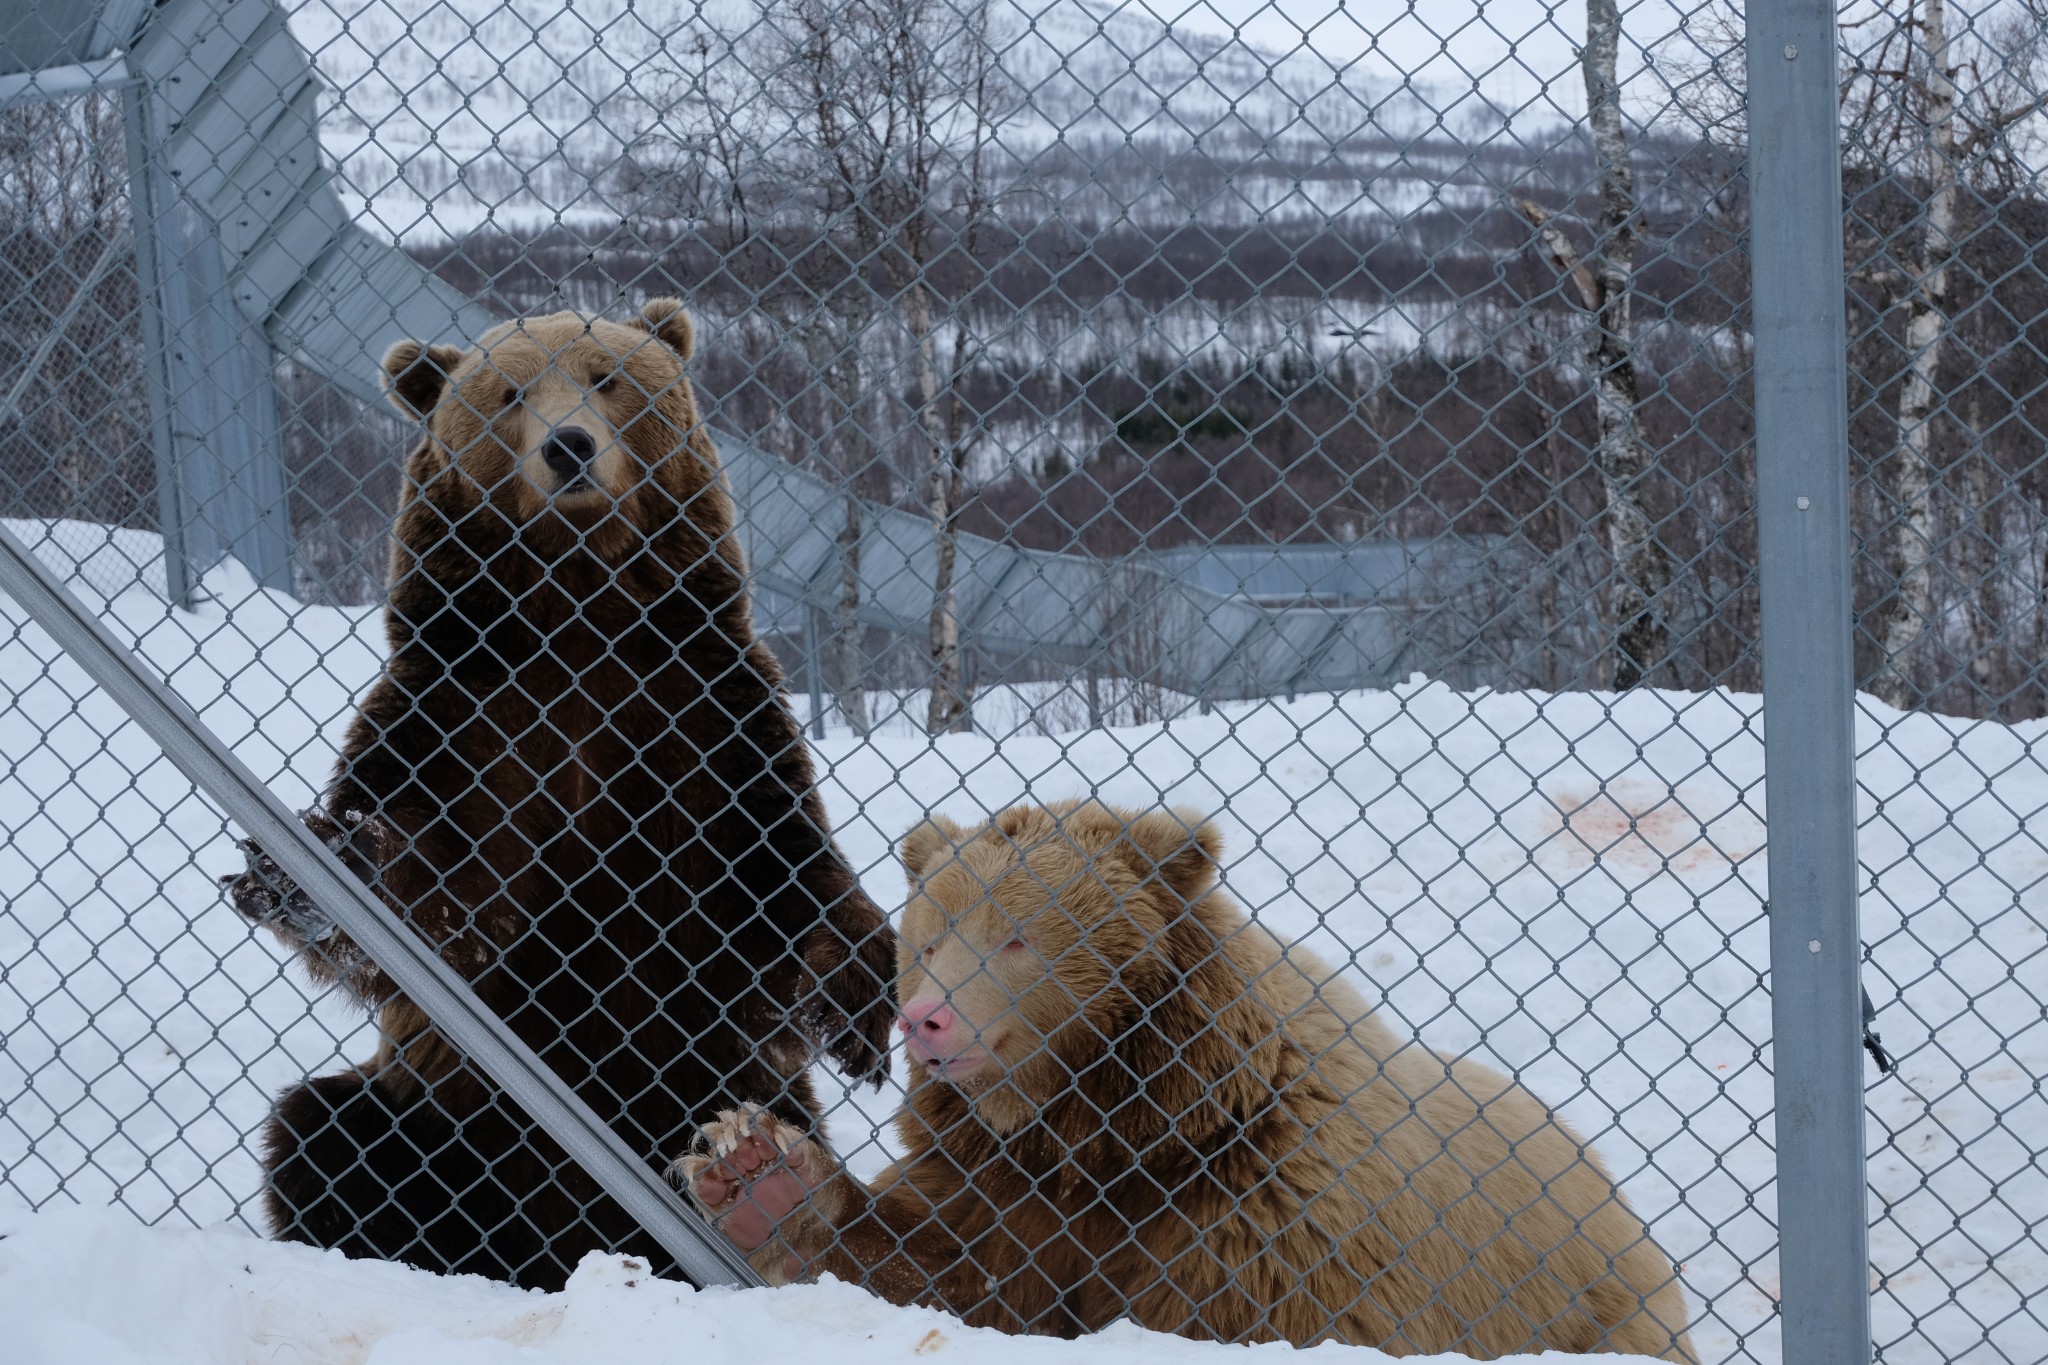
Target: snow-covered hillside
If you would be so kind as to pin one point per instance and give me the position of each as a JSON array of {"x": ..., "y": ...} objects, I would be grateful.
[
  {"x": 444, "y": 117},
  {"x": 1275, "y": 129},
  {"x": 1570, "y": 885}
]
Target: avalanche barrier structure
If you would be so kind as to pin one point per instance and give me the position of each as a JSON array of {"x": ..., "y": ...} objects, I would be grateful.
[{"x": 1594, "y": 601}]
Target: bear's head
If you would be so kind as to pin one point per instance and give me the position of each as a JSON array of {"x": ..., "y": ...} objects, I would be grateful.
[
  {"x": 560, "y": 421},
  {"x": 1055, "y": 944}
]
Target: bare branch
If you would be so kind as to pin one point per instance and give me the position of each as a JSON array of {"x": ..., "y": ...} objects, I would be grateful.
[
  {"x": 1562, "y": 253},
  {"x": 1985, "y": 131}
]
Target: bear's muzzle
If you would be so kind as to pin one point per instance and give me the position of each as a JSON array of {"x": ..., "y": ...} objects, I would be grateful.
[{"x": 569, "y": 453}]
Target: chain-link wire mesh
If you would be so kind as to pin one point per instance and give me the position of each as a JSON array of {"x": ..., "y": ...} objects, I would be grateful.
[{"x": 1248, "y": 512}]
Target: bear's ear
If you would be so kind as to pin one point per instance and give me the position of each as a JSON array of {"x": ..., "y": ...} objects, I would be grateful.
[
  {"x": 669, "y": 323},
  {"x": 927, "y": 845},
  {"x": 416, "y": 375},
  {"x": 1178, "y": 846}
]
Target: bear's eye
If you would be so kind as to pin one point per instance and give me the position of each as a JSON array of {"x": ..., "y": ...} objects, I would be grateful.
[
  {"x": 608, "y": 383},
  {"x": 1015, "y": 944},
  {"x": 927, "y": 951}
]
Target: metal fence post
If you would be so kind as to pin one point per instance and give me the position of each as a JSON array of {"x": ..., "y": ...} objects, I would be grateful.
[
  {"x": 147, "y": 214},
  {"x": 1809, "y": 682},
  {"x": 221, "y": 487},
  {"x": 814, "y": 665},
  {"x": 229, "y": 444}
]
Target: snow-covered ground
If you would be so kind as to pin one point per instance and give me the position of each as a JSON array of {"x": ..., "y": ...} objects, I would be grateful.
[
  {"x": 1569, "y": 885},
  {"x": 92, "y": 1287}
]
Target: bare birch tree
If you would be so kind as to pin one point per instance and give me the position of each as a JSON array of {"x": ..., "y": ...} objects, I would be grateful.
[
  {"x": 1941, "y": 108},
  {"x": 901, "y": 98},
  {"x": 1638, "y": 600},
  {"x": 884, "y": 114},
  {"x": 951, "y": 439},
  {"x": 1914, "y": 532},
  {"x": 708, "y": 163},
  {"x": 853, "y": 129},
  {"x": 1910, "y": 113}
]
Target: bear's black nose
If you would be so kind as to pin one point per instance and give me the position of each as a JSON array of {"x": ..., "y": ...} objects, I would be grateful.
[{"x": 569, "y": 452}]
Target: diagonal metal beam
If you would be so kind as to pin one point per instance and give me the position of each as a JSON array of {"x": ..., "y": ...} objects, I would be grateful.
[
  {"x": 62, "y": 82},
  {"x": 430, "y": 983}
]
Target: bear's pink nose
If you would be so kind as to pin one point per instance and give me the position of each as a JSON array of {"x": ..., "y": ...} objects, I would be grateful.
[{"x": 930, "y": 1027}]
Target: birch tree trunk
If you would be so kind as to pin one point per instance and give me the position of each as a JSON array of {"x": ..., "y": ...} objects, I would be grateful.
[
  {"x": 1642, "y": 577},
  {"x": 1638, "y": 598},
  {"x": 1986, "y": 624},
  {"x": 856, "y": 456},
  {"x": 1986, "y": 639},
  {"x": 1563, "y": 536},
  {"x": 849, "y": 658},
  {"x": 1915, "y": 530},
  {"x": 947, "y": 708}
]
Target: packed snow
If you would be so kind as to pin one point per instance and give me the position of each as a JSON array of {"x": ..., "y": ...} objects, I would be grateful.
[
  {"x": 1569, "y": 886},
  {"x": 94, "y": 1287}
]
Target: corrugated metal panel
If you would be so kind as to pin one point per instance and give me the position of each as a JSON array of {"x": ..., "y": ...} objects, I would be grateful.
[
  {"x": 284, "y": 168},
  {"x": 118, "y": 20},
  {"x": 33, "y": 36},
  {"x": 1050, "y": 606},
  {"x": 238, "y": 113},
  {"x": 188, "y": 44},
  {"x": 358, "y": 299},
  {"x": 1341, "y": 574},
  {"x": 275, "y": 266},
  {"x": 1372, "y": 643}
]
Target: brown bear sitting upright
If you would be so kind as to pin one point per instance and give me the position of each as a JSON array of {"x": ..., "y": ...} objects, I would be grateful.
[
  {"x": 579, "y": 779},
  {"x": 1128, "y": 1101}
]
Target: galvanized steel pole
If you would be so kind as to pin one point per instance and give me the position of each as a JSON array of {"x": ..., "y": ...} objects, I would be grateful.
[
  {"x": 1802, "y": 447},
  {"x": 150, "y": 212}
]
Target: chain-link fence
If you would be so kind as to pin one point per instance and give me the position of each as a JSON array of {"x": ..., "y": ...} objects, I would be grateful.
[{"x": 1269, "y": 515}]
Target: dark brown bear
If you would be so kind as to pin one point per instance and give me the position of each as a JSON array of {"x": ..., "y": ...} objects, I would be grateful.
[{"x": 578, "y": 778}]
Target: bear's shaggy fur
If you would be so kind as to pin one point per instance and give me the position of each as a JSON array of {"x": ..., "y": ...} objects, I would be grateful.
[
  {"x": 1165, "y": 1115},
  {"x": 578, "y": 778}
]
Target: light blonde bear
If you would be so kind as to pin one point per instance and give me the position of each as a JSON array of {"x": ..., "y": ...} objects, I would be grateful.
[{"x": 1128, "y": 1101}]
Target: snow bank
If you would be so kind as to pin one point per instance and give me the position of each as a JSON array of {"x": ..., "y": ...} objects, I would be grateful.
[
  {"x": 92, "y": 1287},
  {"x": 1569, "y": 886}
]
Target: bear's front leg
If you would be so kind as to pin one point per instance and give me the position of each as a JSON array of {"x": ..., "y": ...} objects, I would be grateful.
[
  {"x": 762, "y": 1182},
  {"x": 265, "y": 894},
  {"x": 852, "y": 958}
]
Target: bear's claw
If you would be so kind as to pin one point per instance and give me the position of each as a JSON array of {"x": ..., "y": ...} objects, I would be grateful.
[
  {"x": 851, "y": 1014},
  {"x": 755, "y": 1177},
  {"x": 722, "y": 1138},
  {"x": 266, "y": 894}
]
